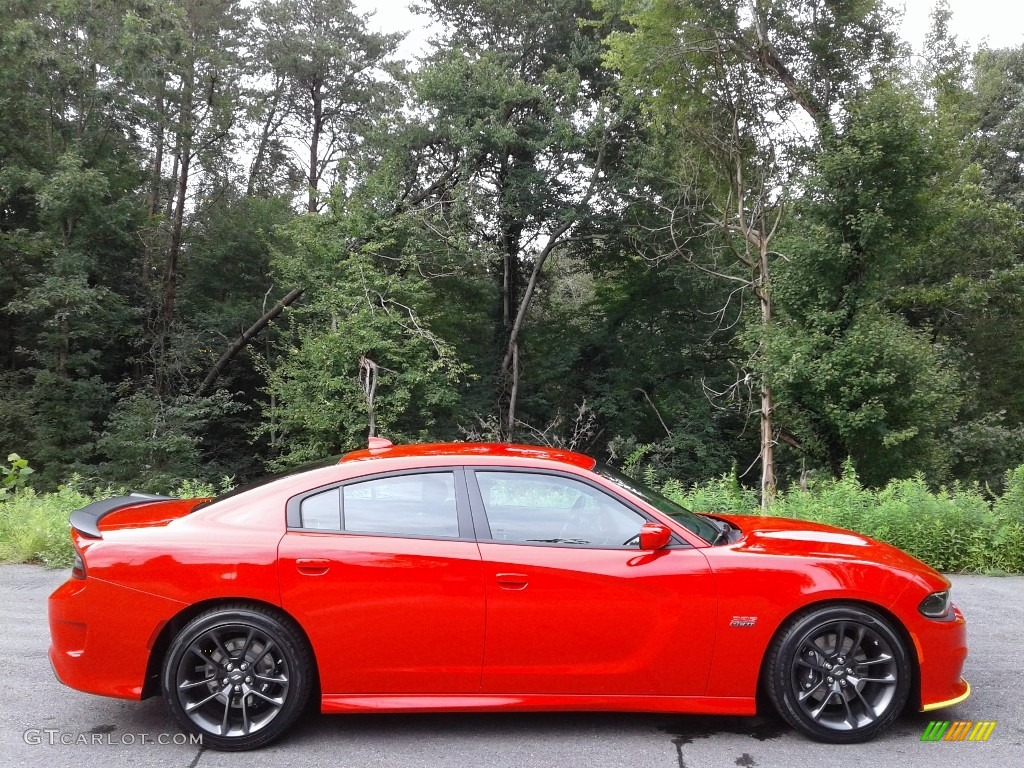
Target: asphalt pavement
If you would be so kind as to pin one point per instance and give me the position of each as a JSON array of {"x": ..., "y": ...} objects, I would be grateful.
[{"x": 44, "y": 724}]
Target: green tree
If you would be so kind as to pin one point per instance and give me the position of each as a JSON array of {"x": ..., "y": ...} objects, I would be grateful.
[
  {"x": 68, "y": 171},
  {"x": 330, "y": 81},
  {"x": 720, "y": 81},
  {"x": 961, "y": 282},
  {"x": 363, "y": 356},
  {"x": 853, "y": 378},
  {"x": 514, "y": 137}
]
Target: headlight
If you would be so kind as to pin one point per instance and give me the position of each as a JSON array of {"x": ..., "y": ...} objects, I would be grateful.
[{"x": 936, "y": 605}]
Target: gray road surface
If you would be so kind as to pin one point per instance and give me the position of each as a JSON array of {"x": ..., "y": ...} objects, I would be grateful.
[{"x": 36, "y": 710}]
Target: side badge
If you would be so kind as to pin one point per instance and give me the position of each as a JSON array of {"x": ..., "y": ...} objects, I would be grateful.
[{"x": 743, "y": 621}]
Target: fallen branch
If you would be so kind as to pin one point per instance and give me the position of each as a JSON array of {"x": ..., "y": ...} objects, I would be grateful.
[{"x": 245, "y": 338}]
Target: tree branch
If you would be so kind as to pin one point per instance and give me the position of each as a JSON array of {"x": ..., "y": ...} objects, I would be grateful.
[{"x": 245, "y": 338}]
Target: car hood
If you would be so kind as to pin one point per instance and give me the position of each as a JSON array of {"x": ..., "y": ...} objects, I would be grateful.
[{"x": 801, "y": 538}]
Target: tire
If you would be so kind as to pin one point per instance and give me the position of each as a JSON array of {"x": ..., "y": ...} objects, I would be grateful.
[
  {"x": 238, "y": 675},
  {"x": 839, "y": 674}
]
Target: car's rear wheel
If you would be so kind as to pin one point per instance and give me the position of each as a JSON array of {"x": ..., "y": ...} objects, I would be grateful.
[
  {"x": 839, "y": 674},
  {"x": 238, "y": 675}
]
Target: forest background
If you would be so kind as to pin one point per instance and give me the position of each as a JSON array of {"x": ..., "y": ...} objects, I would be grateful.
[{"x": 756, "y": 238}]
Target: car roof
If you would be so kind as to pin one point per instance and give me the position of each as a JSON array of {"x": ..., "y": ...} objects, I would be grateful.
[{"x": 383, "y": 449}]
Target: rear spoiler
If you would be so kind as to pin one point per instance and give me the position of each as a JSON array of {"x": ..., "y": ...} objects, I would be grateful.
[{"x": 87, "y": 519}]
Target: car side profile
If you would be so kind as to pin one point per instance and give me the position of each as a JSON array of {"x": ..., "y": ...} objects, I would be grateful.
[{"x": 482, "y": 577}]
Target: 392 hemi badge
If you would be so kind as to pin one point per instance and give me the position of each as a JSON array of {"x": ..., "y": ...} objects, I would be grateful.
[{"x": 743, "y": 621}]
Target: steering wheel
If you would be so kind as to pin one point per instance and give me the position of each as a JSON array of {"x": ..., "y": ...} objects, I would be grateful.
[
  {"x": 634, "y": 539},
  {"x": 576, "y": 517}
]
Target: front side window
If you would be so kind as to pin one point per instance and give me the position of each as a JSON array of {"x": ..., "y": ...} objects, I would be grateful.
[
  {"x": 549, "y": 509},
  {"x": 411, "y": 505}
]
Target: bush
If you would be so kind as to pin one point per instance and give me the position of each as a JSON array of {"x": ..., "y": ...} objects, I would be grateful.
[
  {"x": 957, "y": 529},
  {"x": 723, "y": 494},
  {"x": 34, "y": 526}
]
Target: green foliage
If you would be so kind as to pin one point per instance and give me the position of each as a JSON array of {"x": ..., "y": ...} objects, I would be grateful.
[
  {"x": 722, "y": 494},
  {"x": 34, "y": 527},
  {"x": 851, "y": 378},
  {"x": 136, "y": 247},
  {"x": 646, "y": 361},
  {"x": 360, "y": 306},
  {"x": 998, "y": 87},
  {"x": 14, "y": 476},
  {"x": 153, "y": 445},
  {"x": 202, "y": 489}
]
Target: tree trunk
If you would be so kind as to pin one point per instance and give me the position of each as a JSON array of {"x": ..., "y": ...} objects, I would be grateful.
[
  {"x": 178, "y": 221},
  {"x": 368, "y": 371},
  {"x": 767, "y": 404},
  {"x": 511, "y": 278},
  {"x": 261, "y": 151},
  {"x": 158, "y": 156},
  {"x": 314, "y": 151},
  {"x": 177, "y": 228},
  {"x": 515, "y": 389},
  {"x": 510, "y": 361},
  {"x": 182, "y": 161},
  {"x": 156, "y": 182},
  {"x": 172, "y": 181}
]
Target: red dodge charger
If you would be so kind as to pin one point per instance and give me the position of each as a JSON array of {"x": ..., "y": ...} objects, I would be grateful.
[{"x": 480, "y": 577}]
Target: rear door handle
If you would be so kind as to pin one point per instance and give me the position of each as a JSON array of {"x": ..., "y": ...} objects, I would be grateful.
[
  {"x": 312, "y": 566},
  {"x": 512, "y": 580}
]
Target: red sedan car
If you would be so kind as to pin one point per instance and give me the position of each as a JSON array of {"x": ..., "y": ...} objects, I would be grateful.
[{"x": 492, "y": 577}]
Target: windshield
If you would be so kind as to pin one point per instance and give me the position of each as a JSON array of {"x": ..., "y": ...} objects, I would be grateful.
[{"x": 697, "y": 524}]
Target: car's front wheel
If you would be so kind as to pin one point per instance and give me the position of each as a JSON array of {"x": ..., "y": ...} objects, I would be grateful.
[
  {"x": 238, "y": 675},
  {"x": 839, "y": 674}
]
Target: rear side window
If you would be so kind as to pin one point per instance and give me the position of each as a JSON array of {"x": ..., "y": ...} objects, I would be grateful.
[
  {"x": 323, "y": 511},
  {"x": 421, "y": 504}
]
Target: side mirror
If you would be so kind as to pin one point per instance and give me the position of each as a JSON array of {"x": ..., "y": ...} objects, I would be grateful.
[{"x": 654, "y": 536}]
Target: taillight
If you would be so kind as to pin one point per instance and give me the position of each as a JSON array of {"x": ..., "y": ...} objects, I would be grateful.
[{"x": 78, "y": 567}]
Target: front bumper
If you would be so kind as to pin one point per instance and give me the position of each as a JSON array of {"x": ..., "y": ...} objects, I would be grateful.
[
  {"x": 101, "y": 635},
  {"x": 941, "y": 651},
  {"x": 949, "y": 702}
]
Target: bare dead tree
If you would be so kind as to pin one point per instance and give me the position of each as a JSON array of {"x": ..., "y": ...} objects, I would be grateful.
[
  {"x": 368, "y": 372},
  {"x": 743, "y": 225}
]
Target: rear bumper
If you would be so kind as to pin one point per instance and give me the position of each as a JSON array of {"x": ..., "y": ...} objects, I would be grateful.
[{"x": 101, "y": 636}]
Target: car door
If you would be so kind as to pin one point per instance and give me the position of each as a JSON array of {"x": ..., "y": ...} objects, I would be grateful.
[
  {"x": 385, "y": 577},
  {"x": 573, "y": 605}
]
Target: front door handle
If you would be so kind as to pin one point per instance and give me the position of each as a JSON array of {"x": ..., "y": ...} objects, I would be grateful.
[
  {"x": 512, "y": 580},
  {"x": 312, "y": 566}
]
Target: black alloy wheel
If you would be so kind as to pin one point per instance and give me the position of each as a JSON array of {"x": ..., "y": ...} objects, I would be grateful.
[
  {"x": 237, "y": 675},
  {"x": 839, "y": 674}
]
